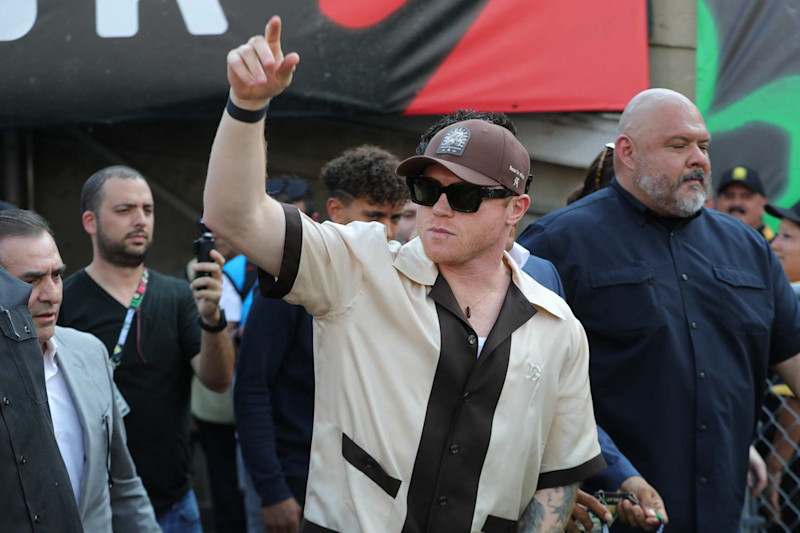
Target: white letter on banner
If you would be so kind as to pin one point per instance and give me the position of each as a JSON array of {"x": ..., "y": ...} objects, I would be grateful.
[
  {"x": 117, "y": 18},
  {"x": 16, "y": 18},
  {"x": 203, "y": 17},
  {"x": 120, "y": 18}
]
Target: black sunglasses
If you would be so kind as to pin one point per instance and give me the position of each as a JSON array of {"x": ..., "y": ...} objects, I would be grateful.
[{"x": 463, "y": 197}]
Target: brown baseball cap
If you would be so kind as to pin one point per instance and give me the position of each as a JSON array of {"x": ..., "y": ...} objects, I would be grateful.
[{"x": 476, "y": 151}]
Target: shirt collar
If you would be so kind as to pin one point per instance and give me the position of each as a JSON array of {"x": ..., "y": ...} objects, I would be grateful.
[
  {"x": 536, "y": 294},
  {"x": 519, "y": 254},
  {"x": 50, "y": 362},
  {"x": 645, "y": 213},
  {"x": 412, "y": 262}
]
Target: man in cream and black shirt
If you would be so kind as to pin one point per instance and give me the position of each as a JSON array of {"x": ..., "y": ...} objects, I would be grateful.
[{"x": 415, "y": 428}]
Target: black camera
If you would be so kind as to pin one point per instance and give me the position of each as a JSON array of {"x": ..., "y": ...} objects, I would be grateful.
[{"x": 202, "y": 247}]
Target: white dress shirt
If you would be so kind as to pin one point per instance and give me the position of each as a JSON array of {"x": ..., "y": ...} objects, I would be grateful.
[
  {"x": 519, "y": 254},
  {"x": 66, "y": 424}
]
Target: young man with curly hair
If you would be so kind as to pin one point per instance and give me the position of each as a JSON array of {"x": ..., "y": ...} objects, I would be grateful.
[{"x": 362, "y": 185}]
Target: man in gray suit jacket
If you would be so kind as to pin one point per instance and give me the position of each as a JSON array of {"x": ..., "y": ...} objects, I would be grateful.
[
  {"x": 33, "y": 481},
  {"x": 88, "y": 427}
]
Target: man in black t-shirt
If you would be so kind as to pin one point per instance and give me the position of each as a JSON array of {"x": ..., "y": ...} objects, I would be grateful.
[{"x": 156, "y": 329}]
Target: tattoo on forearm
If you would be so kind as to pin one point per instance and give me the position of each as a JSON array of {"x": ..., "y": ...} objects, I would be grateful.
[
  {"x": 548, "y": 510},
  {"x": 563, "y": 509},
  {"x": 532, "y": 518}
]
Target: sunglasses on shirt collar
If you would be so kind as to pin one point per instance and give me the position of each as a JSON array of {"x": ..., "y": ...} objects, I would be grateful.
[{"x": 462, "y": 197}]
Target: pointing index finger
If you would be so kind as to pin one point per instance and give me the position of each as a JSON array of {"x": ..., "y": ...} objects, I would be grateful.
[{"x": 273, "y": 35}]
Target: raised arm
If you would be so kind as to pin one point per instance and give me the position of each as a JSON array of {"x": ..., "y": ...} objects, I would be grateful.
[{"x": 235, "y": 199}]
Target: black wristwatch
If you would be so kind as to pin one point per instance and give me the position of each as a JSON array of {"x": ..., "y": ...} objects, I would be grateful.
[{"x": 216, "y": 328}]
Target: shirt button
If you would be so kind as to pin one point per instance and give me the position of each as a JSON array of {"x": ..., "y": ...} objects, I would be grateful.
[
  {"x": 6, "y": 401},
  {"x": 694, "y": 325},
  {"x": 703, "y": 427},
  {"x": 455, "y": 448},
  {"x": 702, "y": 375},
  {"x": 684, "y": 277},
  {"x": 702, "y": 480},
  {"x": 466, "y": 396},
  {"x": 472, "y": 339},
  {"x": 442, "y": 500},
  {"x": 36, "y": 518},
  {"x": 22, "y": 460},
  {"x": 671, "y": 234}
]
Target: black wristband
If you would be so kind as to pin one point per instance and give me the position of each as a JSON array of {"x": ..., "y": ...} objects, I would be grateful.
[
  {"x": 245, "y": 115},
  {"x": 217, "y": 327}
]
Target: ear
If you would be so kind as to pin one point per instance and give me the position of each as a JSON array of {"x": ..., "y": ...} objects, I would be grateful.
[
  {"x": 89, "y": 220},
  {"x": 335, "y": 208},
  {"x": 624, "y": 151},
  {"x": 517, "y": 208}
]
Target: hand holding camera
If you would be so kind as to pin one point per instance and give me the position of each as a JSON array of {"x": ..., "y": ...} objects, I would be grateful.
[{"x": 207, "y": 285}]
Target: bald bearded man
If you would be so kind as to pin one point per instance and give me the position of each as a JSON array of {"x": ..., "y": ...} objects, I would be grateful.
[{"x": 685, "y": 310}]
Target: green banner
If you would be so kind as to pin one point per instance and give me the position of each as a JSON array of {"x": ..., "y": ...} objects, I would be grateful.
[{"x": 748, "y": 89}]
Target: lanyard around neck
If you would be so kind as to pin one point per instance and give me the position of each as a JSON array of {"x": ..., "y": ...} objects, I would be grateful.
[{"x": 136, "y": 301}]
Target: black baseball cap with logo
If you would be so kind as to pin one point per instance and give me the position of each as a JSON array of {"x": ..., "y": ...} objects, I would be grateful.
[
  {"x": 743, "y": 175},
  {"x": 792, "y": 213},
  {"x": 478, "y": 152}
]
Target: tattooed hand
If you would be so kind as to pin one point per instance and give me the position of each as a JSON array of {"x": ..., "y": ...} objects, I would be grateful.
[{"x": 548, "y": 510}]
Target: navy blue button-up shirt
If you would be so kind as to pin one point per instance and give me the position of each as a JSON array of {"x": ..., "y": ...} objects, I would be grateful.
[{"x": 683, "y": 318}]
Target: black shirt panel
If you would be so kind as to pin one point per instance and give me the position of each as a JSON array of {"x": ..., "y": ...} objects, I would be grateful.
[
  {"x": 458, "y": 421},
  {"x": 154, "y": 374}
]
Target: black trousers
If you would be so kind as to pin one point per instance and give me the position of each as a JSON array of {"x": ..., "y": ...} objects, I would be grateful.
[{"x": 219, "y": 444}]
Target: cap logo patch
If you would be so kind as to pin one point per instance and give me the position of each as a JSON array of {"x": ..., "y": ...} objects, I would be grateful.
[
  {"x": 740, "y": 173},
  {"x": 454, "y": 141}
]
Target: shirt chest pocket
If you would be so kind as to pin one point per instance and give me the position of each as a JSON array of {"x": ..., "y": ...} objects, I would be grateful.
[
  {"x": 623, "y": 300},
  {"x": 744, "y": 298},
  {"x": 17, "y": 325}
]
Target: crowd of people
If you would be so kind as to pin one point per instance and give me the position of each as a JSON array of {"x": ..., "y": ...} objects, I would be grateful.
[{"x": 407, "y": 365}]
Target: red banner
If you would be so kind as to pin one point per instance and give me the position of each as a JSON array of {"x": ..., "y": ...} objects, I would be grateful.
[
  {"x": 540, "y": 55},
  {"x": 116, "y": 60}
]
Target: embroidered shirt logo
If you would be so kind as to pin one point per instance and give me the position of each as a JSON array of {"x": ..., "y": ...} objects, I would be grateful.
[
  {"x": 454, "y": 141},
  {"x": 533, "y": 371}
]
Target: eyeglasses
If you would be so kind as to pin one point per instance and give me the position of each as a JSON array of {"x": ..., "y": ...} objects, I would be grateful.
[
  {"x": 294, "y": 189},
  {"x": 462, "y": 197}
]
